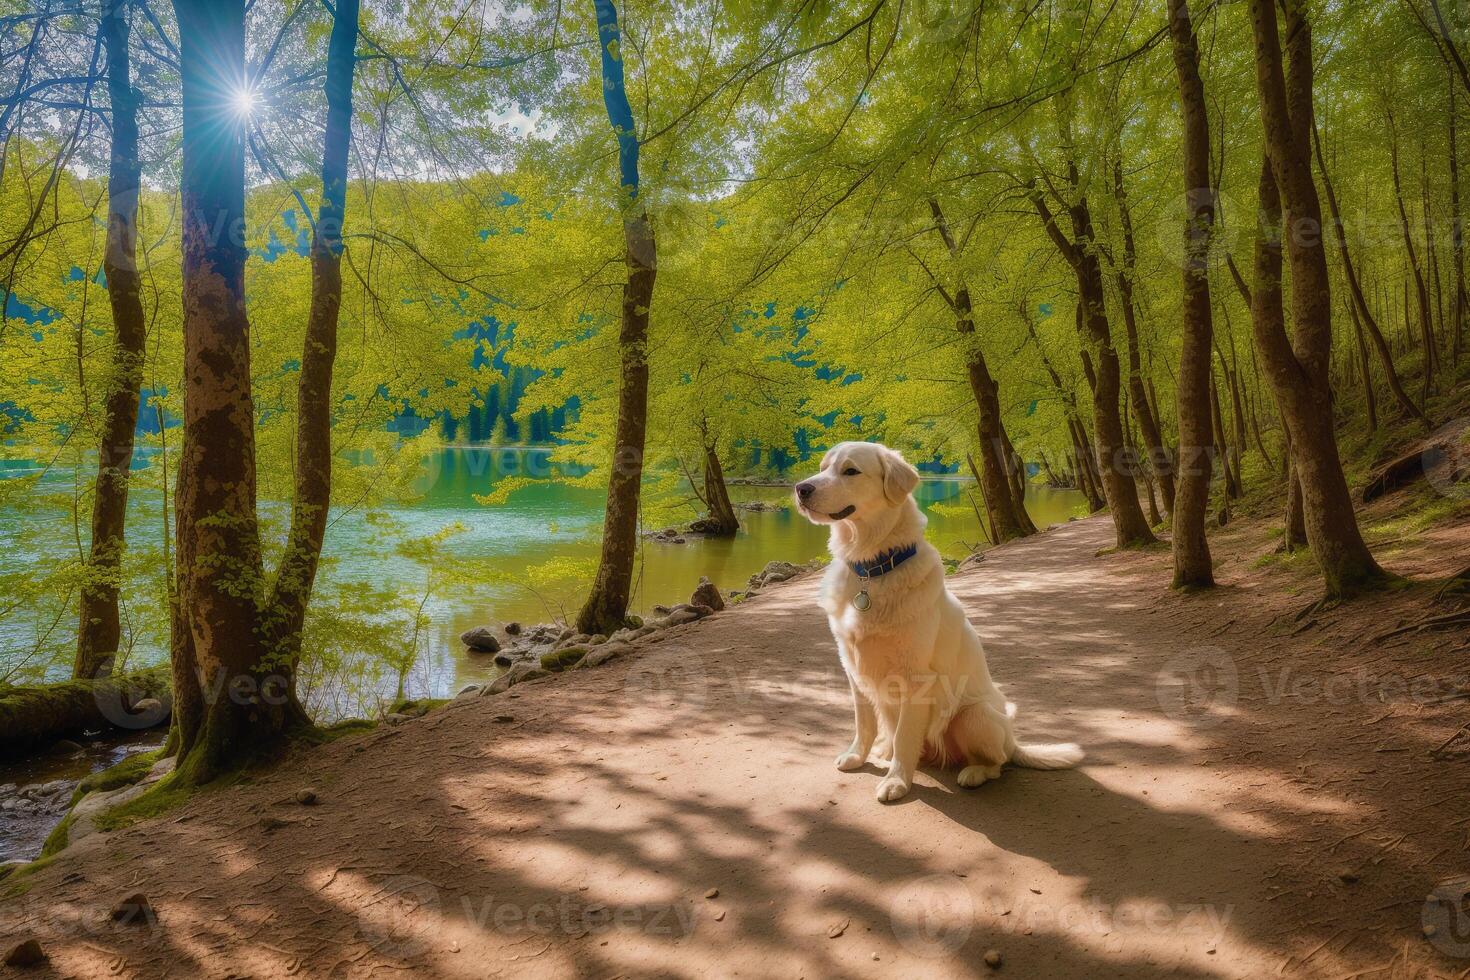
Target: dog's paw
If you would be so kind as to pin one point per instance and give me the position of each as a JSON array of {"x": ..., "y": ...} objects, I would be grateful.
[
  {"x": 972, "y": 776},
  {"x": 848, "y": 761},
  {"x": 892, "y": 788}
]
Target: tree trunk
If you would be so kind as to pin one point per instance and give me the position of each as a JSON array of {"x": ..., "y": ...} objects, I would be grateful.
[
  {"x": 1158, "y": 455},
  {"x": 1294, "y": 528},
  {"x": 1008, "y": 517},
  {"x": 1297, "y": 367},
  {"x": 722, "y": 521},
  {"x": 1222, "y": 442},
  {"x": 99, "y": 627},
  {"x": 606, "y": 608},
  {"x": 1411, "y": 255},
  {"x": 241, "y": 703},
  {"x": 1365, "y": 369},
  {"x": 1457, "y": 234},
  {"x": 1355, "y": 293},
  {"x": 1086, "y": 465},
  {"x": 32, "y": 717},
  {"x": 1192, "y": 563},
  {"x": 1117, "y": 480},
  {"x": 313, "y": 491}
]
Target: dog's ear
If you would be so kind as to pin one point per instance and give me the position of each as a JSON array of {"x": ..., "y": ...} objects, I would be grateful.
[{"x": 899, "y": 478}]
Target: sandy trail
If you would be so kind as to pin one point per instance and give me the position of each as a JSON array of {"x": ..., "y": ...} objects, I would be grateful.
[{"x": 1239, "y": 823}]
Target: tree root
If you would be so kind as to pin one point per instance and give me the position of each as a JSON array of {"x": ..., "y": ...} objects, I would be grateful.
[{"x": 1446, "y": 621}]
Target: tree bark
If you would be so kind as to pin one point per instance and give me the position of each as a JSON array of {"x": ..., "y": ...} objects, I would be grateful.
[
  {"x": 1008, "y": 517},
  {"x": 1297, "y": 367},
  {"x": 312, "y": 501},
  {"x": 722, "y": 521},
  {"x": 1081, "y": 254},
  {"x": 1192, "y": 563},
  {"x": 1158, "y": 454},
  {"x": 606, "y": 608},
  {"x": 1457, "y": 234},
  {"x": 1083, "y": 465},
  {"x": 242, "y": 701},
  {"x": 1355, "y": 292},
  {"x": 32, "y": 717},
  {"x": 99, "y": 626},
  {"x": 1411, "y": 256}
]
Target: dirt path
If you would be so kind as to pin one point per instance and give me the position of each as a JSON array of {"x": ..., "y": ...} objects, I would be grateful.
[{"x": 1258, "y": 815}]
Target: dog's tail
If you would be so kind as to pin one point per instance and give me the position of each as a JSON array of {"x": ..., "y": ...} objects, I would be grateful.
[{"x": 1063, "y": 755}]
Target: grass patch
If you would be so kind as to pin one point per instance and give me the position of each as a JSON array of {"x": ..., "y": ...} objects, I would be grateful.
[
  {"x": 1300, "y": 558},
  {"x": 1427, "y": 510}
]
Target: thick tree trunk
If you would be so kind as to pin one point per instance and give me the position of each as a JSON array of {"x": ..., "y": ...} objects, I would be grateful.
[
  {"x": 721, "y": 521},
  {"x": 243, "y": 702},
  {"x": 1192, "y": 563},
  {"x": 1297, "y": 367},
  {"x": 1117, "y": 479},
  {"x": 606, "y": 608},
  {"x": 1158, "y": 454},
  {"x": 99, "y": 627},
  {"x": 313, "y": 490}
]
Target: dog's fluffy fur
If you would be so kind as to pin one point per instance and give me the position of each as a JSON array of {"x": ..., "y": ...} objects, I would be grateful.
[{"x": 921, "y": 689}]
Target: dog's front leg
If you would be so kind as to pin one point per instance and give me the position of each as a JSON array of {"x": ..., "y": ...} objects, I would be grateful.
[
  {"x": 908, "y": 743},
  {"x": 865, "y": 726}
]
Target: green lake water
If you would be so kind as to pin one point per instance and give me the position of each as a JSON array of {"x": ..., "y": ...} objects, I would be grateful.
[{"x": 546, "y": 521}]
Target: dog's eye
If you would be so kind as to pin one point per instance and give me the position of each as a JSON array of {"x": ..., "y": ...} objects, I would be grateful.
[{"x": 850, "y": 472}]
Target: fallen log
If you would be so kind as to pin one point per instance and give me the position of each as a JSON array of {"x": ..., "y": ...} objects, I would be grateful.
[{"x": 31, "y": 717}]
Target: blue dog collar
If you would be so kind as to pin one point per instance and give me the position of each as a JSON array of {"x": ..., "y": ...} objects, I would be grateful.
[{"x": 885, "y": 562}]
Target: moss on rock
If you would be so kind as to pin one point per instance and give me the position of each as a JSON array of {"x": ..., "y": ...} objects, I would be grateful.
[{"x": 563, "y": 658}]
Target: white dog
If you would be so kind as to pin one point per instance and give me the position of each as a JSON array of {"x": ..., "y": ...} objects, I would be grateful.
[{"x": 921, "y": 690}]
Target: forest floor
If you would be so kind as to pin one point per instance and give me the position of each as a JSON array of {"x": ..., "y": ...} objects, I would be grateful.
[{"x": 1262, "y": 797}]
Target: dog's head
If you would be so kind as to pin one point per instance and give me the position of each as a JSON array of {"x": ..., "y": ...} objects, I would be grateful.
[{"x": 856, "y": 480}]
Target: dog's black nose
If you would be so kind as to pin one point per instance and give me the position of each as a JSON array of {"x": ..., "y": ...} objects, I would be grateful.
[{"x": 804, "y": 490}]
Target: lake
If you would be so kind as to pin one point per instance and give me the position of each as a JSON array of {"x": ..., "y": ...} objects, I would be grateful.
[{"x": 501, "y": 554}]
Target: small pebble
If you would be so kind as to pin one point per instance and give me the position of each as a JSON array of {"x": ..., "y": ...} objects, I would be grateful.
[
  {"x": 992, "y": 959},
  {"x": 837, "y": 929},
  {"x": 720, "y": 916},
  {"x": 1349, "y": 878},
  {"x": 712, "y": 893},
  {"x": 306, "y": 797}
]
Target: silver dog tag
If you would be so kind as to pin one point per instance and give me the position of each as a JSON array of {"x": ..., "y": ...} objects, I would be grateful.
[{"x": 861, "y": 601}]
